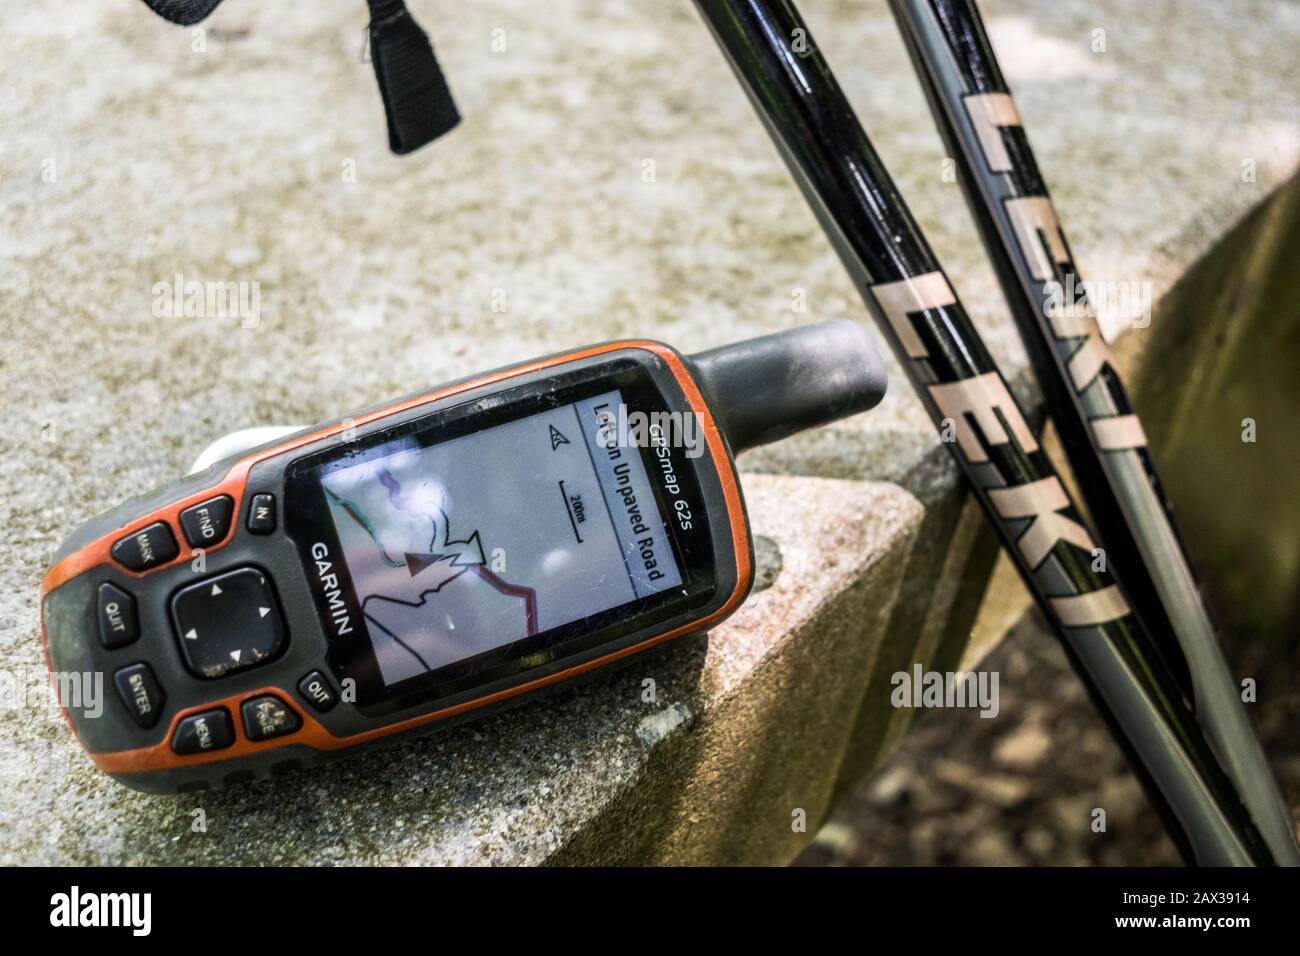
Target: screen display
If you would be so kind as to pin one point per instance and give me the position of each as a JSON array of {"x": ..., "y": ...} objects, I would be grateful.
[{"x": 476, "y": 542}]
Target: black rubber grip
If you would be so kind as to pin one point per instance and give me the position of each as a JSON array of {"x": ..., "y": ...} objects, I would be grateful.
[{"x": 765, "y": 389}]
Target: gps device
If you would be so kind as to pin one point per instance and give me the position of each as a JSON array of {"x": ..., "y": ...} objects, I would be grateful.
[{"x": 424, "y": 560}]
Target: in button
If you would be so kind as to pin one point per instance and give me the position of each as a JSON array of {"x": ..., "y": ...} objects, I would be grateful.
[{"x": 261, "y": 514}]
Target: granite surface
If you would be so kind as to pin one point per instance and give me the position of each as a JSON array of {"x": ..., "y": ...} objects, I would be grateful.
[{"x": 129, "y": 157}]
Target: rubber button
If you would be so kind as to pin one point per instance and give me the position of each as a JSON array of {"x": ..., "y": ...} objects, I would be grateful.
[
  {"x": 261, "y": 514},
  {"x": 119, "y": 624},
  {"x": 227, "y": 623},
  {"x": 206, "y": 523},
  {"x": 141, "y": 693},
  {"x": 199, "y": 733},
  {"x": 316, "y": 690},
  {"x": 149, "y": 547},
  {"x": 268, "y": 716}
]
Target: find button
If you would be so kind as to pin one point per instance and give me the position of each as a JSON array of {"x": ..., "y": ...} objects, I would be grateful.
[
  {"x": 207, "y": 522},
  {"x": 268, "y": 716}
]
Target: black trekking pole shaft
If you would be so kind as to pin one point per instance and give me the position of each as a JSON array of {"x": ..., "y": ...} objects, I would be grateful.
[
  {"x": 903, "y": 286},
  {"x": 1100, "y": 431}
]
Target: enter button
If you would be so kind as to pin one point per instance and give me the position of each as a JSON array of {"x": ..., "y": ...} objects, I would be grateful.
[{"x": 141, "y": 693}]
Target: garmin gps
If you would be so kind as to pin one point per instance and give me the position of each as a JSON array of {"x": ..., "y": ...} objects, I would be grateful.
[{"x": 421, "y": 561}]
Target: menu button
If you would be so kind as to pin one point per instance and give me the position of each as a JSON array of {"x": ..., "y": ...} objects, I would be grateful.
[{"x": 200, "y": 733}]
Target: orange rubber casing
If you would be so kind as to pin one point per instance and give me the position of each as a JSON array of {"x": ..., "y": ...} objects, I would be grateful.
[{"x": 313, "y": 733}]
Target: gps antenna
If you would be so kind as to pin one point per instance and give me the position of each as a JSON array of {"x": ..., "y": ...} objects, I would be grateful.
[{"x": 767, "y": 388}]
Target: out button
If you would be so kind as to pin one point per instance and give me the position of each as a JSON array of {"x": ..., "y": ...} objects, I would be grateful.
[
  {"x": 316, "y": 690},
  {"x": 227, "y": 623}
]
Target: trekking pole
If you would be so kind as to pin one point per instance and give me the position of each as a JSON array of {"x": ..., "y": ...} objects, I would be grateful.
[
  {"x": 1100, "y": 431},
  {"x": 903, "y": 286}
]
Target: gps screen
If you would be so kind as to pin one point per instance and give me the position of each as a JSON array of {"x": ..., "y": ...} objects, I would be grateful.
[{"x": 474, "y": 543}]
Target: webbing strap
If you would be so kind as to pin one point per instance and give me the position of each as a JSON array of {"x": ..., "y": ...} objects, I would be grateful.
[
  {"x": 186, "y": 12},
  {"x": 417, "y": 101}
]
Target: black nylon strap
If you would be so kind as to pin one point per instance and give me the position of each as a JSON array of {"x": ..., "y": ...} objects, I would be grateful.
[
  {"x": 186, "y": 12},
  {"x": 417, "y": 102}
]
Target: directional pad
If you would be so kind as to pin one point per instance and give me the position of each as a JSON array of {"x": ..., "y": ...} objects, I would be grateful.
[{"x": 227, "y": 623}]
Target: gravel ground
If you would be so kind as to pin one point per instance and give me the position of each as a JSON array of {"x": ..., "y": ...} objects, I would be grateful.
[{"x": 1019, "y": 789}]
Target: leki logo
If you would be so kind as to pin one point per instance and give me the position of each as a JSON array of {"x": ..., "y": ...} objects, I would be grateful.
[
  {"x": 75, "y": 909},
  {"x": 984, "y": 416}
]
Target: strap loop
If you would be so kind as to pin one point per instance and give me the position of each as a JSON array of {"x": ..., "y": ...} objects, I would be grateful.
[{"x": 417, "y": 102}]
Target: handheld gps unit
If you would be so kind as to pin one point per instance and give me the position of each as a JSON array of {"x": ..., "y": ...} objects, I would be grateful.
[{"x": 423, "y": 560}]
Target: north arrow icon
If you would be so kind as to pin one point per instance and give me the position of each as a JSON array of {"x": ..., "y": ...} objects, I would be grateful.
[{"x": 415, "y": 563}]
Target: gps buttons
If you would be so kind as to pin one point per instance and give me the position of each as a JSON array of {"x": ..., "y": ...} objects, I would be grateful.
[
  {"x": 268, "y": 716},
  {"x": 199, "y": 733},
  {"x": 119, "y": 624},
  {"x": 261, "y": 514},
  {"x": 149, "y": 547},
  {"x": 318, "y": 692},
  {"x": 227, "y": 623},
  {"x": 141, "y": 693},
  {"x": 207, "y": 522}
]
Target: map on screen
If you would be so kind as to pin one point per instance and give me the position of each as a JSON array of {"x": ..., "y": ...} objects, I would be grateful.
[{"x": 471, "y": 544}]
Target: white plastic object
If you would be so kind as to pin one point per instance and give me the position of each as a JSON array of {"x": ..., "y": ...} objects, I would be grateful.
[{"x": 238, "y": 441}]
